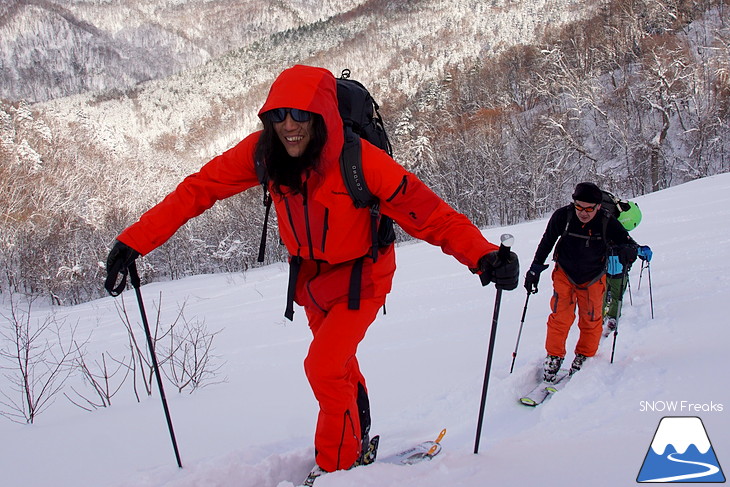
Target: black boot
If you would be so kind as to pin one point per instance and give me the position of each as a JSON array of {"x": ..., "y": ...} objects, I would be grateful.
[{"x": 368, "y": 449}]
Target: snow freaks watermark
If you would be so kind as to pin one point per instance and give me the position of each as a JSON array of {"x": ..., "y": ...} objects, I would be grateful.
[
  {"x": 682, "y": 407},
  {"x": 681, "y": 451}
]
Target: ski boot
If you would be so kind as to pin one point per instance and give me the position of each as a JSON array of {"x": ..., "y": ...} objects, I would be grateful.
[
  {"x": 577, "y": 363},
  {"x": 552, "y": 366}
]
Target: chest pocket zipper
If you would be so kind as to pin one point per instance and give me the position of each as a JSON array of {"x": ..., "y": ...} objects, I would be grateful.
[{"x": 325, "y": 227}]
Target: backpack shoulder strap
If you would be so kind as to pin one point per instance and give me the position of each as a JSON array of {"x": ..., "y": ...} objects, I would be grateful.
[
  {"x": 261, "y": 172},
  {"x": 562, "y": 235},
  {"x": 264, "y": 180},
  {"x": 354, "y": 178},
  {"x": 567, "y": 224},
  {"x": 352, "y": 172}
]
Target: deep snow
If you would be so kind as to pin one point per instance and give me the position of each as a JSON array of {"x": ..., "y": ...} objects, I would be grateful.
[{"x": 424, "y": 362}]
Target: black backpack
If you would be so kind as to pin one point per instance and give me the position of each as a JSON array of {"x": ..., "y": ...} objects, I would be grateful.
[
  {"x": 612, "y": 204},
  {"x": 361, "y": 119}
]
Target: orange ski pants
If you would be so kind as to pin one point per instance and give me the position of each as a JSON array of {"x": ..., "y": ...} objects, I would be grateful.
[
  {"x": 590, "y": 314},
  {"x": 336, "y": 380}
]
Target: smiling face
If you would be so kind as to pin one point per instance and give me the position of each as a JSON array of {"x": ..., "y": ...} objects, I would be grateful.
[{"x": 294, "y": 136}]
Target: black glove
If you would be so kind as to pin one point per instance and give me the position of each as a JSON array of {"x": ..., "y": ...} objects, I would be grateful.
[
  {"x": 504, "y": 273},
  {"x": 533, "y": 277},
  {"x": 120, "y": 258},
  {"x": 627, "y": 254}
]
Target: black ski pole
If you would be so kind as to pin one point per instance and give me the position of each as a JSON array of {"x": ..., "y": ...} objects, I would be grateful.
[
  {"x": 651, "y": 297},
  {"x": 628, "y": 286},
  {"x": 519, "y": 333},
  {"x": 134, "y": 278},
  {"x": 641, "y": 273},
  {"x": 507, "y": 241},
  {"x": 618, "y": 312}
]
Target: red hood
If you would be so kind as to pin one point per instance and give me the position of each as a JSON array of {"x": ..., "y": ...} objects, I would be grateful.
[{"x": 315, "y": 90}]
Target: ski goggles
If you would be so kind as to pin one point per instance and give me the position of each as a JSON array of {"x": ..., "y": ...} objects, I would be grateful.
[
  {"x": 587, "y": 209},
  {"x": 278, "y": 115}
]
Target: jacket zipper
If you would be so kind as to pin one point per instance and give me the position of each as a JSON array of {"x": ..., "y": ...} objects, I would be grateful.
[
  {"x": 326, "y": 227},
  {"x": 401, "y": 188},
  {"x": 310, "y": 244},
  {"x": 291, "y": 221},
  {"x": 347, "y": 419}
]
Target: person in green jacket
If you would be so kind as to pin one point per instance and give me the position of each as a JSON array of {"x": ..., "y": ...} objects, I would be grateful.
[{"x": 629, "y": 215}]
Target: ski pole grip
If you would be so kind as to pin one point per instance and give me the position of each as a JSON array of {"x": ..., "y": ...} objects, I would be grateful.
[{"x": 507, "y": 240}]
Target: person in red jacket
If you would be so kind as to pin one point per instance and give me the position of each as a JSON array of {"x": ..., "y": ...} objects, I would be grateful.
[{"x": 326, "y": 237}]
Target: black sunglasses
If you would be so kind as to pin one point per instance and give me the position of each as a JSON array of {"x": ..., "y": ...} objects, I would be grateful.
[{"x": 278, "y": 115}]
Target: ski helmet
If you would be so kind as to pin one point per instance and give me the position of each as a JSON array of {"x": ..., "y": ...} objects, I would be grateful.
[{"x": 630, "y": 218}]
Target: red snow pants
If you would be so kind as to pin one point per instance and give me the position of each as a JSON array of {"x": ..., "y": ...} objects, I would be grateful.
[
  {"x": 335, "y": 378},
  {"x": 590, "y": 314}
]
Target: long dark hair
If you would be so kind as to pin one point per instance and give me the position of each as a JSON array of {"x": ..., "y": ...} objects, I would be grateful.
[{"x": 282, "y": 169}]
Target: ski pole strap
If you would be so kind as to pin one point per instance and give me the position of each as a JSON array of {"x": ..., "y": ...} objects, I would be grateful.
[
  {"x": 121, "y": 268},
  {"x": 111, "y": 280},
  {"x": 295, "y": 264}
]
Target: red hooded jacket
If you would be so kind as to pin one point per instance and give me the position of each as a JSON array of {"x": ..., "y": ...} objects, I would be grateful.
[{"x": 323, "y": 228}]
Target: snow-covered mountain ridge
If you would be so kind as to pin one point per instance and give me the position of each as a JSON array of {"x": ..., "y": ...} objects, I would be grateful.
[
  {"x": 393, "y": 49},
  {"x": 55, "y": 48}
]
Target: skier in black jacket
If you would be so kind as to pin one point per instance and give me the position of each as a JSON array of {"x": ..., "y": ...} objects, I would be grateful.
[{"x": 583, "y": 233}]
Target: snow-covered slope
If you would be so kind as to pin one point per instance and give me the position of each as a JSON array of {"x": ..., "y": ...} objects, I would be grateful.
[{"x": 424, "y": 362}]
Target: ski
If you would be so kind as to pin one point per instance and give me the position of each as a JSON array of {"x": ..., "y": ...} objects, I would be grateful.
[
  {"x": 417, "y": 453},
  {"x": 544, "y": 389},
  {"x": 410, "y": 456},
  {"x": 316, "y": 473}
]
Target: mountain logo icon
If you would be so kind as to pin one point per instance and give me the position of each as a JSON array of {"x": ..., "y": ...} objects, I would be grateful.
[{"x": 681, "y": 452}]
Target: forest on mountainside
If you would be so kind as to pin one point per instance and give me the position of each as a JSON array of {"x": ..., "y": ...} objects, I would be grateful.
[
  {"x": 636, "y": 98},
  {"x": 56, "y": 48},
  {"x": 633, "y": 94}
]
